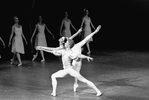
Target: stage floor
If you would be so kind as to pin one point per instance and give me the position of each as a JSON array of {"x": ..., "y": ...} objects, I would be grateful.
[{"x": 119, "y": 76}]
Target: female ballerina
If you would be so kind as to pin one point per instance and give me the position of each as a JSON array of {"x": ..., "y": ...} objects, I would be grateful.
[
  {"x": 3, "y": 44},
  {"x": 66, "y": 22},
  {"x": 68, "y": 54},
  {"x": 77, "y": 63},
  {"x": 17, "y": 41},
  {"x": 86, "y": 21},
  {"x": 40, "y": 38}
]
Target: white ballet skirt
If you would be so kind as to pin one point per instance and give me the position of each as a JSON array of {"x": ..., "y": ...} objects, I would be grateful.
[
  {"x": 40, "y": 38},
  {"x": 17, "y": 42}
]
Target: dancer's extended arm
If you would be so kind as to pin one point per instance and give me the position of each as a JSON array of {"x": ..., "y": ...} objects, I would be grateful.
[
  {"x": 49, "y": 31},
  {"x": 92, "y": 24},
  {"x": 72, "y": 26},
  {"x": 47, "y": 49},
  {"x": 62, "y": 23},
  {"x": 85, "y": 57},
  {"x": 12, "y": 32},
  {"x": 74, "y": 35},
  {"x": 2, "y": 41},
  {"x": 50, "y": 50},
  {"x": 24, "y": 36},
  {"x": 34, "y": 33}
]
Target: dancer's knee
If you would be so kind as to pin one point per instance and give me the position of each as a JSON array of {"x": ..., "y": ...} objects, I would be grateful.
[{"x": 53, "y": 76}]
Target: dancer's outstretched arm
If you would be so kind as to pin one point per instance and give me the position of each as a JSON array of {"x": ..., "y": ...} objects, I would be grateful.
[
  {"x": 12, "y": 32},
  {"x": 2, "y": 42},
  {"x": 62, "y": 23},
  {"x": 88, "y": 37},
  {"x": 36, "y": 27},
  {"x": 85, "y": 57},
  {"x": 72, "y": 26},
  {"x": 49, "y": 31},
  {"x": 47, "y": 49},
  {"x": 74, "y": 35},
  {"x": 50, "y": 50}
]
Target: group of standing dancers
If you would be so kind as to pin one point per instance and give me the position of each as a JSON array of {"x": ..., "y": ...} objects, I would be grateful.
[{"x": 70, "y": 53}]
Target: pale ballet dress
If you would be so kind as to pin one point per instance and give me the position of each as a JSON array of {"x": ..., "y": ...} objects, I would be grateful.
[
  {"x": 66, "y": 32},
  {"x": 17, "y": 43},
  {"x": 87, "y": 28},
  {"x": 40, "y": 38}
]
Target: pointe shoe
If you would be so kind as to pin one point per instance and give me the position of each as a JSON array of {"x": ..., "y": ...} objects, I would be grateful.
[
  {"x": 53, "y": 94},
  {"x": 42, "y": 60},
  {"x": 11, "y": 61},
  {"x": 89, "y": 53},
  {"x": 34, "y": 57},
  {"x": 99, "y": 94},
  {"x": 75, "y": 87},
  {"x": 19, "y": 64}
]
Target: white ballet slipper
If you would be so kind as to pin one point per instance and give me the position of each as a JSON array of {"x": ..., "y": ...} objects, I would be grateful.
[
  {"x": 19, "y": 64},
  {"x": 99, "y": 94},
  {"x": 53, "y": 94},
  {"x": 75, "y": 87},
  {"x": 42, "y": 60}
]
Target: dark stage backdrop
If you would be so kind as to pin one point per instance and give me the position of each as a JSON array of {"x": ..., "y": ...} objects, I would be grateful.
[{"x": 124, "y": 22}]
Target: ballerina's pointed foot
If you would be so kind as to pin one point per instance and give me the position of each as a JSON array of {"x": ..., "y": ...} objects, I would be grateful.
[
  {"x": 89, "y": 53},
  {"x": 42, "y": 60},
  {"x": 19, "y": 64},
  {"x": 34, "y": 57},
  {"x": 11, "y": 61},
  {"x": 75, "y": 87},
  {"x": 53, "y": 94},
  {"x": 99, "y": 94}
]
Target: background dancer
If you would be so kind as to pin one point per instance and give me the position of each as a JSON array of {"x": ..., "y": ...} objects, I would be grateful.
[
  {"x": 40, "y": 38},
  {"x": 17, "y": 42},
  {"x": 3, "y": 45},
  {"x": 67, "y": 56},
  {"x": 67, "y": 24},
  {"x": 87, "y": 23}
]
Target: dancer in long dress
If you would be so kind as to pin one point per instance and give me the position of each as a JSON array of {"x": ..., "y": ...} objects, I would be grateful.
[
  {"x": 67, "y": 24},
  {"x": 2, "y": 43},
  {"x": 40, "y": 38},
  {"x": 86, "y": 21},
  {"x": 17, "y": 41},
  {"x": 70, "y": 54}
]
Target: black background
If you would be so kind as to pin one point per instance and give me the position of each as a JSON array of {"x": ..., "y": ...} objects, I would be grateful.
[{"x": 124, "y": 22}]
